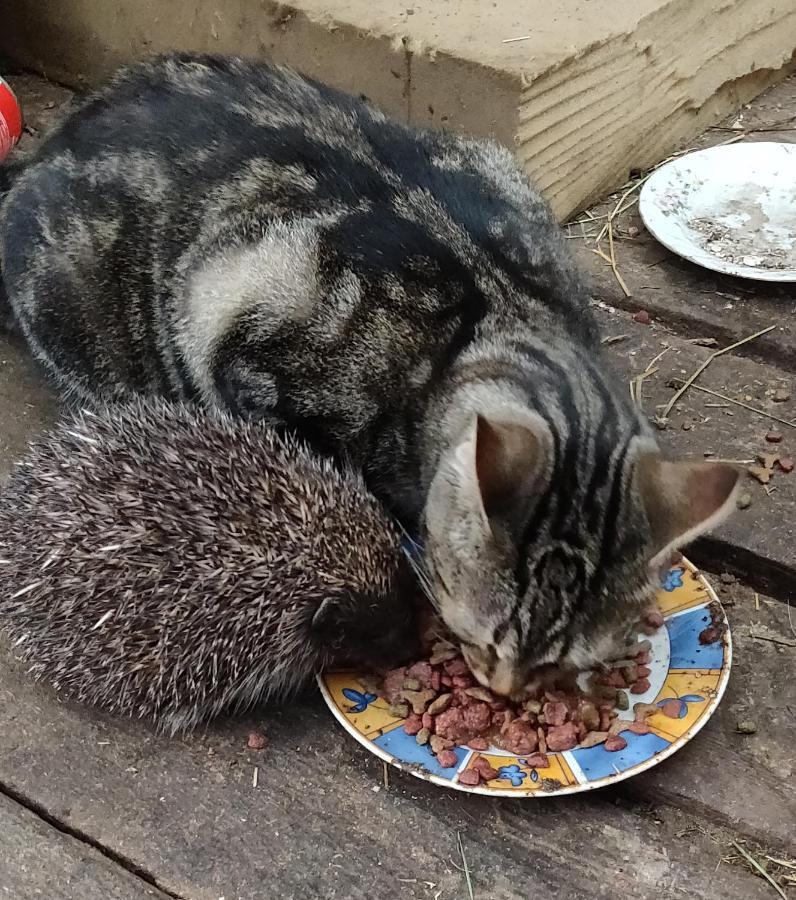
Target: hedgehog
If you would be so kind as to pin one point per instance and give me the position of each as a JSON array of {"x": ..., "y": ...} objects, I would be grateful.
[{"x": 173, "y": 563}]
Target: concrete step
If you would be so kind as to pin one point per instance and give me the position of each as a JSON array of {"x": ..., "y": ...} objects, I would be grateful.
[{"x": 584, "y": 90}]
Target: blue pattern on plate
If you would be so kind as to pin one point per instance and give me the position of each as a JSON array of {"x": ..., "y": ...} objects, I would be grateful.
[
  {"x": 673, "y": 580},
  {"x": 683, "y": 701},
  {"x": 359, "y": 700},
  {"x": 405, "y": 748},
  {"x": 686, "y": 651},
  {"x": 597, "y": 762},
  {"x": 512, "y": 773}
]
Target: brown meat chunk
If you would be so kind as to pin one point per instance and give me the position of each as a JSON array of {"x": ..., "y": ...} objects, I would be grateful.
[
  {"x": 447, "y": 759},
  {"x": 456, "y": 667},
  {"x": 394, "y": 683},
  {"x": 562, "y": 737},
  {"x": 555, "y": 712},
  {"x": 537, "y": 761},
  {"x": 470, "y": 777},
  {"x": 422, "y": 672},
  {"x": 484, "y": 768},
  {"x": 520, "y": 738},
  {"x": 413, "y": 724},
  {"x": 450, "y": 724},
  {"x": 478, "y": 718},
  {"x": 257, "y": 740}
]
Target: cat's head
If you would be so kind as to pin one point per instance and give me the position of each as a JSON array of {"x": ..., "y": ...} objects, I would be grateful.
[{"x": 539, "y": 555}]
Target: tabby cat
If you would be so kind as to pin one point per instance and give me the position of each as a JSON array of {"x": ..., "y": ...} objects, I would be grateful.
[{"x": 231, "y": 232}]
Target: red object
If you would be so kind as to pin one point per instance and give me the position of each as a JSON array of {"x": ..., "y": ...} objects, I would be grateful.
[
  {"x": 642, "y": 317},
  {"x": 257, "y": 741},
  {"x": 10, "y": 120},
  {"x": 484, "y": 769},
  {"x": 470, "y": 777},
  {"x": 447, "y": 758}
]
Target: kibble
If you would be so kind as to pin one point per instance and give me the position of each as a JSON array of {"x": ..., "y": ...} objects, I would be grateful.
[
  {"x": 443, "y": 706},
  {"x": 257, "y": 741}
]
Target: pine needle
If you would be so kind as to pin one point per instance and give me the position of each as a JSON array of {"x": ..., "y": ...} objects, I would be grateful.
[
  {"x": 612, "y": 252},
  {"x": 701, "y": 368},
  {"x": 466, "y": 867},
  {"x": 637, "y": 383},
  {"x": 754, "y": 409},
  {"x": 756, "y": 865}
]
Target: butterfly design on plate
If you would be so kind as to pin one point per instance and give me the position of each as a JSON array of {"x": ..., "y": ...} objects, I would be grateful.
[{"x": 361, "y": 700}]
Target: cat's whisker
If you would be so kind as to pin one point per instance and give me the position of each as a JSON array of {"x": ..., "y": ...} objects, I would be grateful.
[
  {"x": 417, "y": 562},
  {"x": 423, "y": 580}
]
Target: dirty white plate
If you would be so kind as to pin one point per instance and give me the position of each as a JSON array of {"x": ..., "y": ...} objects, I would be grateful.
[{"x": 731, "y": 209}]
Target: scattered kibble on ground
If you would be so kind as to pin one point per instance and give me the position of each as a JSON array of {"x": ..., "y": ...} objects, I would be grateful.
[
  {"x": 746, "y": 726},
  {"x": 257, "y": 740}
]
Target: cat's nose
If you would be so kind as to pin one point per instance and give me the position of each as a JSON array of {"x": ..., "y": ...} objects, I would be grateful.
[{"x": 506, "y": 680}]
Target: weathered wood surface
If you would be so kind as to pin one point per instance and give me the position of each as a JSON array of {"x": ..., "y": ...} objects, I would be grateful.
[
  {"x": 26, "y": 403},
  {"x": 320, "y": 823},
  {"x": 758, "y": 543},
  {"x": 38, "y": 860}
]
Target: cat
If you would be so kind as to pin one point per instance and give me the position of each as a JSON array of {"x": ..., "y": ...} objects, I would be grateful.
[{"x": 230, "y": 232}]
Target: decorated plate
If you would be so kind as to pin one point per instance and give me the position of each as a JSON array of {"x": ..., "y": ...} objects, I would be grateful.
[
  {"x": 729, "y": 209},
  {"x": 687, "y": 681}
]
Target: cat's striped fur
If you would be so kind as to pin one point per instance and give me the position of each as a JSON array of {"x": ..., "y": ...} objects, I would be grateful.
[{"x": 226, "y": 231}]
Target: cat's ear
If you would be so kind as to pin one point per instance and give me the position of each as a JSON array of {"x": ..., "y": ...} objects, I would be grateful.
[
  {"x": 491, "y": 476},
  {"x": 512, "y": 456},
  {"x": 683, "y": 499}
]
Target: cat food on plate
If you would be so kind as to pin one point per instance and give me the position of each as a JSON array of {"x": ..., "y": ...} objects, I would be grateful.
[
  {"x": 441, "y": 726},
  {"x": 444, "y": 706}
]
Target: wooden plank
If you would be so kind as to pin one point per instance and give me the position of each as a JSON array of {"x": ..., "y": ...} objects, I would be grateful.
[
  {"x": 321, "y": 824},
  {"x": 744, "y": 781},
  {"x": 26, "y": 403},
  {"x": 693, "y": 302},
  {"x": 37, "y": 860},
  {"x": 74, "y": 762},
  {"x": 591, "y": 93},
  {"x": 757, "y": 543}
]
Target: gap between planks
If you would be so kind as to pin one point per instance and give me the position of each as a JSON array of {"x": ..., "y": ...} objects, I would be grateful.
[{"x": 111, "y": 855}]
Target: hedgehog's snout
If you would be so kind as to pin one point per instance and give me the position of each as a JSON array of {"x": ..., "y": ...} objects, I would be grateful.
[{"x": 370, "y": 627}]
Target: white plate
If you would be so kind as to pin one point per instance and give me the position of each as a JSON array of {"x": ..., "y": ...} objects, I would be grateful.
[{"x": 731, "y": 209}]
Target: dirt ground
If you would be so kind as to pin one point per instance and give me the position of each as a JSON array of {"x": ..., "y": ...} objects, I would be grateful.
[{"x": 93, "y": 807}]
